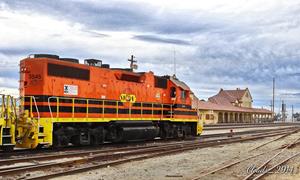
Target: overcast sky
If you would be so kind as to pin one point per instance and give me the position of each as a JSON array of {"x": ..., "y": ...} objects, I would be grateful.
[{"x": 218, "y": 44}]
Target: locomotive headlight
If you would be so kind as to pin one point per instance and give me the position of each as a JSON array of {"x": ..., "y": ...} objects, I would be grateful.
[{"x": 24, "y": 70}]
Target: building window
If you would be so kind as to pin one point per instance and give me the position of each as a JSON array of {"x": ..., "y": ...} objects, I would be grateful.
[{"x": 207, "y": 116}]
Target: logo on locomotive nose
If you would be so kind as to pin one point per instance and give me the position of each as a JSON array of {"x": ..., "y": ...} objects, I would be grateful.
[{"x": 128, "y": 98}]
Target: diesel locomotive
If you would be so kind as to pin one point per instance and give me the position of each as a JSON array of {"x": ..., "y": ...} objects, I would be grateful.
[{"x": 63, "y": 102}]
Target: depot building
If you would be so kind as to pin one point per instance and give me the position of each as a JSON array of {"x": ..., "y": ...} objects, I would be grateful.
[{"x": 231, "y": 106}]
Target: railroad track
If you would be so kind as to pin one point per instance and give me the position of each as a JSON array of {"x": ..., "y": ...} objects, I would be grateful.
[
  {"x": 89, "y": 160},
  {"x": 260, "y": 172},
  {"x": 281, "y": 156},
  {"x": 247, "y": 124},
  {"x": 241, "y": 126}
]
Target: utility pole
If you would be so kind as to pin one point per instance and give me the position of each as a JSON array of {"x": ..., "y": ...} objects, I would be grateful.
[
  {"x": 273, "y": 100},
  {"x": 283, "y": 111},
  {"x": 132, "y": 61},
  {"x": 292, "y": 113}
]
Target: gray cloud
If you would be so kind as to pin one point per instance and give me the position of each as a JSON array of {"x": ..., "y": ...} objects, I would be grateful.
[
  {"x": 157, "y": 39},
  {"x": 294, "y": 74},
  {"x": 290, "y": 94},
  {"x": 112, "y": 16},
  {"x": 15, "y": 51},
  {"x": 14, "y": 54},
  {"x": 97, "y": 34},
  {"x": 121, "y": 16}
]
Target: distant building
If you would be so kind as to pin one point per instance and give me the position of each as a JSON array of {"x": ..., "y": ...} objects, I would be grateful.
[
  {"x": 296, "y": 117},
  {"x": 231, "y": 106},
  {"x": 238, "y": 97}
]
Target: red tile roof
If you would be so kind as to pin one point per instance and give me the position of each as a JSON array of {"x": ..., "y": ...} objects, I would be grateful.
[
  {"x": 236, "y": 94},
  {"x": 206, "y": 105},
  {"x": 228, "y": 96},
  {"x": 223, "y": 102}
]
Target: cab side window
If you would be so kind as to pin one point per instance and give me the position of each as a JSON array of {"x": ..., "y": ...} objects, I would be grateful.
[
  {"x": 173, "y": 92},
  {"x": 183, "y": 94}
]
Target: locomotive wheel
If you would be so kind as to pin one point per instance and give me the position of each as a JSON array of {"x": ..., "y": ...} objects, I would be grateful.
[
  {"x": 39, "y": 146},
  {"x": 60, "y": 139},
  {"x": 93, "y": 141}
]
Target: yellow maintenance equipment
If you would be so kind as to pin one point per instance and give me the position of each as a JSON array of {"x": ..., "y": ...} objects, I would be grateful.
[
  {"x": 8, "y": 117},
  {"x": 18, "y": 127},
  {"x": 29, "y": 131}
]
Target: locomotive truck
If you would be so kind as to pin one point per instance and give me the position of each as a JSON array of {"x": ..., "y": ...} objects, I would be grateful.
[{"x": 63, "y": 102}]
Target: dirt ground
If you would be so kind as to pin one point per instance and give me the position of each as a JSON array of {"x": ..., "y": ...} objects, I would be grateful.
[{"x": 191, "y": 164}]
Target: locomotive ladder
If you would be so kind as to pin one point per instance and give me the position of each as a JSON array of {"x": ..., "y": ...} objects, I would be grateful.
[{"x": 8, "y": 115}]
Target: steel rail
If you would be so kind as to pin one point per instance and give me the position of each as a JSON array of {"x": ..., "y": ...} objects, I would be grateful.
[
  {"x": 231, "y": 164},
  {"x": 275, "y": 166},
  {"x": 234, "y": 163},
  {"x": 269, "y": 160},
  {"x": 244, "y": 132},
  {"x": 249, "y": 157},
  {"x": 273, "y": 140},
  {"x": 246, "y": 126}
]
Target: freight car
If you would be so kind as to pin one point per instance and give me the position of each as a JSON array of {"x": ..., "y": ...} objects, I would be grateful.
[{"x": 63, "y": 102}]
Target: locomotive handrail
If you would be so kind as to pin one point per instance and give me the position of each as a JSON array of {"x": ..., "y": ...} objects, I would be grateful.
[
  {"x": 8, "y": 101},
  {"x": 141, "y": 110},
  {"x": 2, "y": 112},
  {"x": 161, "y": 111},
  {"x": 73, "y": 105},
  {"x": 6, "y": 106},
  {"x": 31, "y": 101},
  {"x": 102, "y": 105}
]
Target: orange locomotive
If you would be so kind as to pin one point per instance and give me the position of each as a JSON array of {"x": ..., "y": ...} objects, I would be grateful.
[{"x": 91, "y": 103}]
